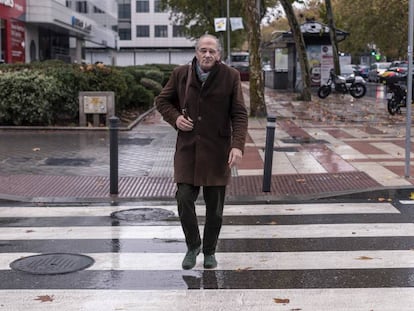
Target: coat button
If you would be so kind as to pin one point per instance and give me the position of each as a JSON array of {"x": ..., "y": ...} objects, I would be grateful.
[{"x": 199, "y": 118}]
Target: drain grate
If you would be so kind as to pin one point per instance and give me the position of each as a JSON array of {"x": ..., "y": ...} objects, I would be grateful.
[
  {"x": 69, "y": 161},
  {"x": 55, "y": 263},
  {"x": 135, "y": 141},
  {"x": 144, "y": 214},
  {"x": 286, "y": 149},
  {"x": 303, "y": 140}
]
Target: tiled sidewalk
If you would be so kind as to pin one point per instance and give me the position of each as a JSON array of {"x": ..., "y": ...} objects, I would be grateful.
[
  {"x": 338, "y": 134},
  {"x": 321, "y": 148}
]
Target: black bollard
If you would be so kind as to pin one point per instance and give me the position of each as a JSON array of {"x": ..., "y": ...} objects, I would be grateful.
[
  {"x": 268, "y": 162},
  {"x": 113, "y": 155}
]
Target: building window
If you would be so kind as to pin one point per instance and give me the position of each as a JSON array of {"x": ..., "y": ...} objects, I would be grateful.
[
  {"x": 68, "y": 4},
  {"x": 157, "y": 7},
  {"x": 142, "y": 6},
  {"x": 161, "y": 31},
  {"x": 98, "y": 10},
  {"x": 143, "y": 31},
  {"x": 124, "y": 10},
  {"x": 178, "y": 31},
  {"x": 124, "y": 34},
  {"x": 82, "y": 7}
]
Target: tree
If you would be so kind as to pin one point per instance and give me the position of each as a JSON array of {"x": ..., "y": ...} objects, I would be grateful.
[
  {"x": 383, "y": 24},
  {"x": 300, "y": 49},
  {"x": 332, "y": 34},
  {"x": 198, "y": 16},
  {"x": 253, "y": 18}
]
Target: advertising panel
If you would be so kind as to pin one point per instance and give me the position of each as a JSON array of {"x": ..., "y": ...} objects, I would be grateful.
[{"x": 12, "y": 15}]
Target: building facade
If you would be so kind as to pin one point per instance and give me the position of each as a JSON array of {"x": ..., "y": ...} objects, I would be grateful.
[
  {"x": 114, "y": 32},
  {"x": 147, "y": 35},
  {"x": 59, "y": 29}
]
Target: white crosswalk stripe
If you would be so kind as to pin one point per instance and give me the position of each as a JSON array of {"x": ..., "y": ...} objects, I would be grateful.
[{"x": 371, "y": 268}]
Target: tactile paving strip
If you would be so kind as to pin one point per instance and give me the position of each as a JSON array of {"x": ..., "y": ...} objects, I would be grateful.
[{"x": 295, "y": 185}]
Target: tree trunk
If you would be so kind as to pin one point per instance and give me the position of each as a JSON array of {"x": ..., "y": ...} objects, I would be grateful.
[
  {"x": 257, "y": 99},
  {"x": 306, "y": 94},
  {"x": 332, "y": 34}
]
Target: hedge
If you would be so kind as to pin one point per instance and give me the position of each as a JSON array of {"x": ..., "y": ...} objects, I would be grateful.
[{"x": 45, "y": 93}]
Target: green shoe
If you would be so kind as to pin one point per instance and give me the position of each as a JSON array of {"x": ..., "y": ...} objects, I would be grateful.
[
  {"x": 190, "y": 258},
  {"x": 210, "y": 261}
]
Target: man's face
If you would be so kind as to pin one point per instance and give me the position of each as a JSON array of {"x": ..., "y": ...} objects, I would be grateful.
[{"x": 207, "y": 53}]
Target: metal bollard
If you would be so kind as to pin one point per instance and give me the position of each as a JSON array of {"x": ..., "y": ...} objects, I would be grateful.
[
  {"x": 270, "y": 137},
  {"x": 113, "y": 155}
]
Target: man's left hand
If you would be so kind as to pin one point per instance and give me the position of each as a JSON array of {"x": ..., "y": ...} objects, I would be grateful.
[{"x": 235, "y": 157}]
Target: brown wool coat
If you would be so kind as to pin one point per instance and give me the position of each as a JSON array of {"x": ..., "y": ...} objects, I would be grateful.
[{"x": 220, "y": 123}]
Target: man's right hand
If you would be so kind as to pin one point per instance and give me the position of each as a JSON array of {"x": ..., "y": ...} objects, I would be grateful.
[{"x": 184, "y": 124}]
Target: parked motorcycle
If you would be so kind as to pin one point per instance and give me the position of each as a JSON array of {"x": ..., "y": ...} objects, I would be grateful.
[
  {"x": 354, "y": 85},
  {"x": 396, "y": 92}
]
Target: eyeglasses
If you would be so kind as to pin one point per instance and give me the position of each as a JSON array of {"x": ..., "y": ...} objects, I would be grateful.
[{"x": 211, "y": 51}]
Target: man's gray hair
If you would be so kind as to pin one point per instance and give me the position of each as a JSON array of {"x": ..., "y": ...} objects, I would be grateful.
[{"x": 219, "y": 48}]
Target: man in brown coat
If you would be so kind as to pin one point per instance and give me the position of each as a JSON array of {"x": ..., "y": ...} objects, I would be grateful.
[{"x": 203, "y": 101}]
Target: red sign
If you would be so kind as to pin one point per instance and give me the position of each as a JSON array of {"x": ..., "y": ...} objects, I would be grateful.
[
  {"x": 13, "y": 42},
  {"x": 13, "y": 9},
  {"x": 17, "y": 41}
]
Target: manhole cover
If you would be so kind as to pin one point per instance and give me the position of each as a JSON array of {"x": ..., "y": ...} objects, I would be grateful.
[
  {"x": 55, "y": 263},
  {"x": 144, "y": 214},
  {"x": 69, "y": 161},
  {"x": 135, "y": 141}
]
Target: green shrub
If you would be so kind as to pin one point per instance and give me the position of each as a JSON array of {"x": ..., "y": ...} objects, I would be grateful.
[
  {"x": 155, "y": 75},
  {"x": 142, "y": 98},
  {"x": 152, "y": 85},
  {"x": 27, "y": 97},
  {"x": 42, "y": 93},
  {"x": 66, "y": 103},
  {"x": 166, "y": 69}
]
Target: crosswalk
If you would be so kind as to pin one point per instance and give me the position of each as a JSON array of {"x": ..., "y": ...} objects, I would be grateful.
[{"x": 316, "y": 256}]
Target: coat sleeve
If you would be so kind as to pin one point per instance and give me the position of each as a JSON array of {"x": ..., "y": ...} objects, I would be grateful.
[
  {"x": 167, "y": 102},
  {"x": 239, "y": 116}
]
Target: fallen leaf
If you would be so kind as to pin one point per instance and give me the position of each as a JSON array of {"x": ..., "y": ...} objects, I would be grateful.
[
  {"x": 381, "y": 199},
  {"x": 36, "y": 149},
  {"x": 281, "y": 300},
  {"x": 243, "y": 269},
  {"x": 45, "y": 298},
  {"x": 412, "y": 196},
  {"x": 364, "y": 258},
  {"x": 301, "y": 180},
  {"x": 273, "y": 222}
]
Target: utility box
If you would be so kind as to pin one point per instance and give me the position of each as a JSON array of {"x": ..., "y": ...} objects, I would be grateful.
[{"x": 95, "y": 107}]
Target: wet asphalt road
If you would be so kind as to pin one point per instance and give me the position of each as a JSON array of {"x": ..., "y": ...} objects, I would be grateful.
[{"x": 290, "y": 250}]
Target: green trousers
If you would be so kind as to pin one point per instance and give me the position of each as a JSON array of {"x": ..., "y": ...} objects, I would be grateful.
[{"x": 186, "y": 196}]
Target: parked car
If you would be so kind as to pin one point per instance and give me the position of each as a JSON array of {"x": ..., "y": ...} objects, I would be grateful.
[
  {"x": 376, "y": 69},
  {"x": 240, "y": 61},
  {"x": 347, "y": 70},
  {"x": 362, "y": 70}
]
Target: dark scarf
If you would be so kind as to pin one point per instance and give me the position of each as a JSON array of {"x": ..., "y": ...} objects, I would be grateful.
[{"x": 201, "y": 74}]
